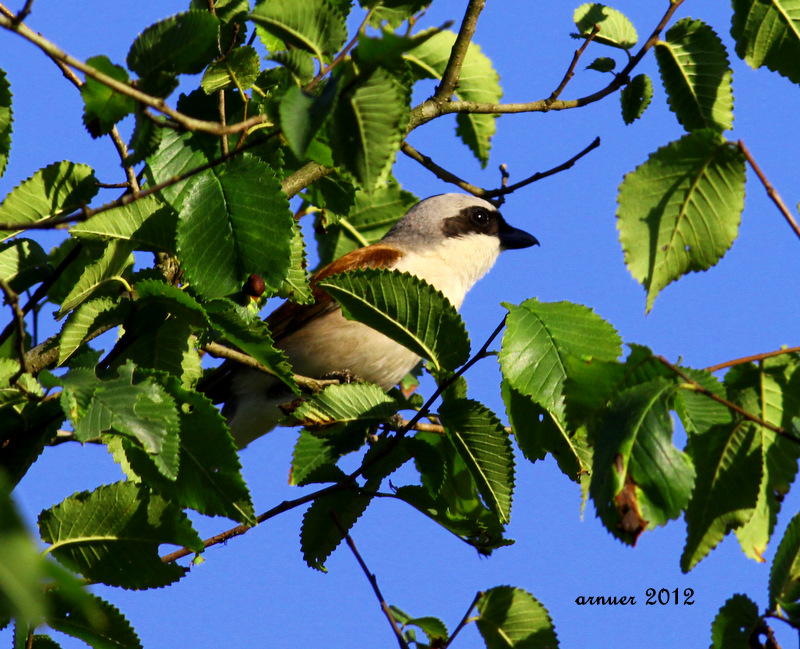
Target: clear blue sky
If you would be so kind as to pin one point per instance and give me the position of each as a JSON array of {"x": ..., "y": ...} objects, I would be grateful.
[{"x": 257, "y": 591}]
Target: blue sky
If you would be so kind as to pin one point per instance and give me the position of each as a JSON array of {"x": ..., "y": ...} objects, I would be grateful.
[{"x": 256, "y": 590}]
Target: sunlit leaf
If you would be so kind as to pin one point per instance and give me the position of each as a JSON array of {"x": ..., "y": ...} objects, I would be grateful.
[
  {"x": 680, "y": 211},
  {"x": 615, "y": 28},
  {"x": 239, "y": 69},
  {"x": 511, "y": 617}
]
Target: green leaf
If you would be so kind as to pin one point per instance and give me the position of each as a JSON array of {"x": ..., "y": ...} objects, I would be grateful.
[
  {"x": 368, "y": 124},
  {"x": 111, "y": 267},
  {"x": 145, "y": 140},
  {"x": 640, "y": 480},
  {"x": 296, "y": 286},
  {"x": 602, "y": 64},
  {"x": 363, "y": 402},
  {"x": 6, "y": 121},
  {"x": 314, "y": 457},
  {"x": 770, "y": 391},
  {"x": 511, "y": 617},
  {"x": 181, "y": 44},
  {"x": 319, "y": 534},
  {"x": 302, "y": 115},
  {"x": 615, "y": 28},
  {"x": 177, "y": 154},
  {"x": 23, "y": 263},
  {"x": 103, "y": 107},
  {"x": 233, "y": 223},
  {"x": 147, "y": 224},
  {"x": 478, "y": 82},
  {"x": 679, "y": 212},
  {"x": 636, "y": 97},
  {"x": 393, "y": 12},
  {"x": 433, "y": 627},
  {"x": 311, "y": 25},
  {"x": 90, "y": 531},
  {"x": 697, "y": 77},
  {"x": 239, "y": 69},
  {"x": 21, "y": 568},
  {"x": 539, "y": 338},
  {"x": 368, "y": 218},
  {"x": 209, "y": 476},
  {"x": 406, "y": 309},
  {"x": 88, "y": 318},
  {"x": 784, "y": 577},
  {"x": 697, "y": 411},
  {"x": 735, "y": 623},
  {"x": 767, "y": 33},
  {"x": 298, "y": 63},
  {"x": 483, "y": 443},
  {"x": 56, "y": 189},
  {"x": 728, "y": 467},
  {"x": 254, "y": 339},
  {"x": 142, "y": 411},
  {"x": 538, "y": 432},
  {"x": 96, "y": 622}
]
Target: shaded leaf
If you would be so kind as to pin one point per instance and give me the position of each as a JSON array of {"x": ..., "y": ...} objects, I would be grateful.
[
  {"x": 696, "y": 75},
  {"x": 767, "y": 33},
  {"x": 483, "y": 443},
  {"x": 23, "y": 263},
  {"x": 6, "y": 121},
  {"x": 311, "y": 25},
  {"x": 296, "y": 286},
  {"x": 733, "y": 626},
  {"x": 784, "y": 577},
  {"x": 234, "y": 222},
  {"x": 679, "y": 212},
  {"x": 393, "y": 12},
  {"x": 303, "y": 114},
  {"x": 56, "y": 189},
  {"x": 98, "y": 623},
  {"x": 511, "y": 617},
  {"x": 319, "y": 535},
  {"x": 86, "y": 319},
  {"x": 90, "y": 531},
  {"x": 368, "y": 123},
  {"x": 636, "y": 97},
  {"x": 405, "y": 308},
  {"x": 104, "y": 107},
  {"x": 640, "y": 480},
  {"x": 181, "y": 44},
  {"x": 602, "y": 64}
]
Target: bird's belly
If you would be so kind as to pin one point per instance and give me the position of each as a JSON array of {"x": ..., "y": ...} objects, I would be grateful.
[{"x": 335, "y": 344}]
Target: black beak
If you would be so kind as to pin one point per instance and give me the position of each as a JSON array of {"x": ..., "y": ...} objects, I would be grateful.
[{"x": 513, "y": 239}]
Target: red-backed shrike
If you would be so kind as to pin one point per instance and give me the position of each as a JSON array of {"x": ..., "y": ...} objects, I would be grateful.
[{"x": 450, "y": 241}]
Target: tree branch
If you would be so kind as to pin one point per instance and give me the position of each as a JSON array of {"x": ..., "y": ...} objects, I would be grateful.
[
  {"x": 444, "y": 92},
  {"x": 18, "y": 324},
  {"x": 771, "y": 191},
  {"x": 464, "y": 620},
  {"x": 571, "y": 69},
  {"x": 373, "y": 581},
  {"x": 752, "y": 359},
  {"x": 728, "y": 404}
]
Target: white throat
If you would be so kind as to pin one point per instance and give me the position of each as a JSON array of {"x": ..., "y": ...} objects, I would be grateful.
[{"x": 455, "y": 265}]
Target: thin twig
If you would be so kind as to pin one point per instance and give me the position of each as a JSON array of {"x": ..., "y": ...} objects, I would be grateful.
[
  {"x": 18, "y": 322},
  {"x": 771, "y": 191},
  {"x": 341, "y": 55},
  {"x": 447, "y": 86},
  {"x": 23, "y": 13},
  {"x": 505, "y": 189},
  {"x": 752, "y": 359},
  {"x": 464, "y": 620},
  {"x": 571, "y": 70},
  {"x": 220, "y": 351},
  {"x": 157, "y": 103},
  {"x": 728, "y": 404},
  {"x": 373, "y": 581}
]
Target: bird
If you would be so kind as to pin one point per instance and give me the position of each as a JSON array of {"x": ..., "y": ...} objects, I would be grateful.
[{"x": 449, "y": 240}]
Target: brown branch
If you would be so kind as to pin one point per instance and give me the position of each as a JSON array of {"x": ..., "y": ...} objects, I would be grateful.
[
  {"x": 431, "y": 109},
  {"x": 341, "y": 55},
  {"x": 752, "y": 359},
  {"x": 447, "y": 85},
  {"x": 18, "y": 322},
  {"x": 728, "y": 404},
  {"x": 373, "y": 581},
  {"x": 157, "y": 103},
  {"x": 771, "y": 191},
  {"x": 571, "y": 69},
  {"x": 444, "y": 174}
]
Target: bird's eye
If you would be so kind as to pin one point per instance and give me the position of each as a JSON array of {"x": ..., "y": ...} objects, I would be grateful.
[{"x": 480, "y": 218}]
